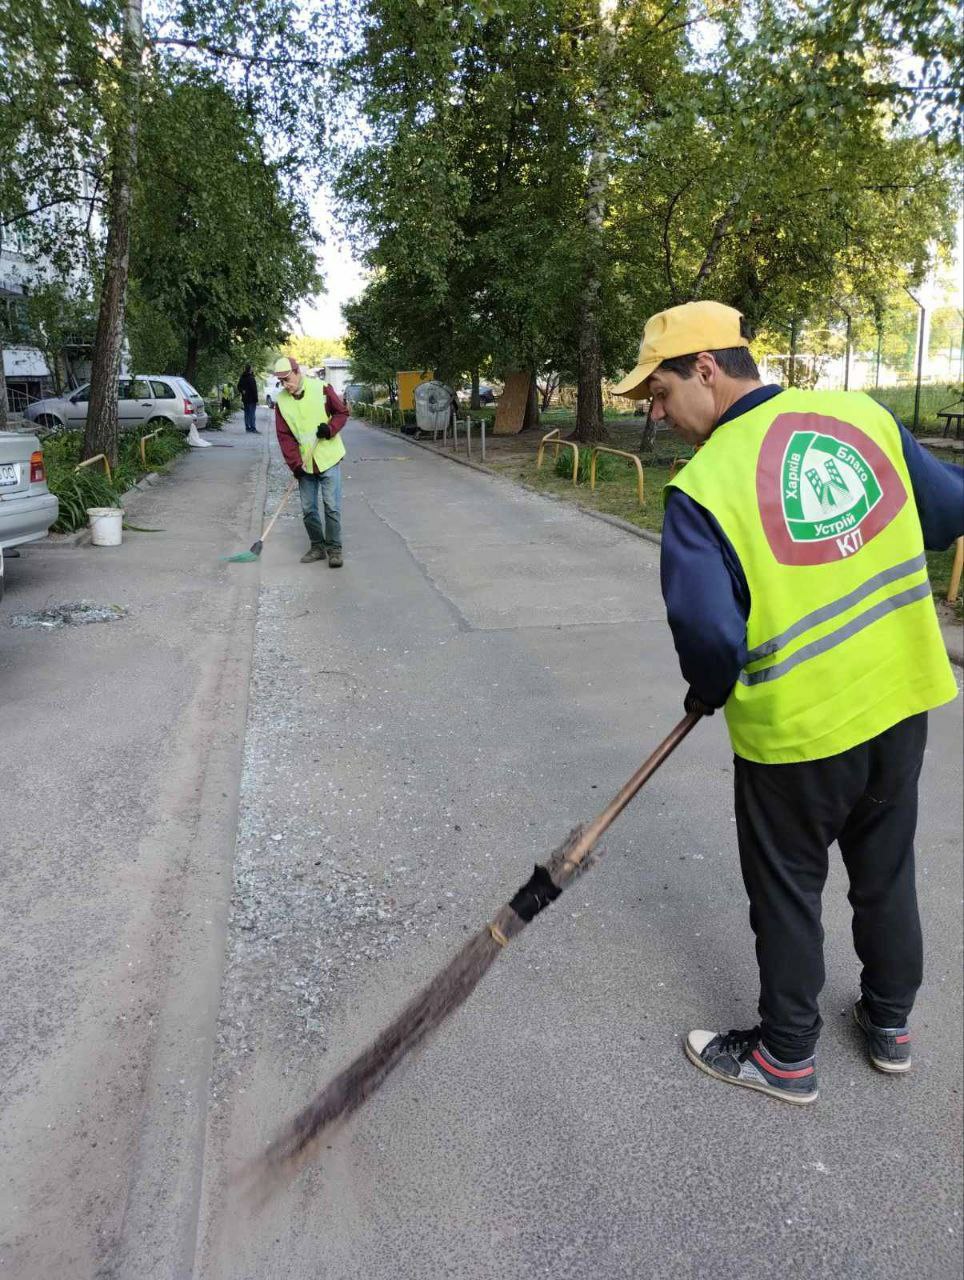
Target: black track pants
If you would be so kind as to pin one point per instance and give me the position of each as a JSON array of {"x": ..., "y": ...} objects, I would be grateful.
[{"x": 787, "y": 817}]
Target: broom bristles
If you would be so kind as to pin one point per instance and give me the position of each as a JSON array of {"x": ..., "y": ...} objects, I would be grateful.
[
  {"x": 449, "y": 989},
  {"x": 360, "y": 1079},
  {"x": 353, "y": 1086}
]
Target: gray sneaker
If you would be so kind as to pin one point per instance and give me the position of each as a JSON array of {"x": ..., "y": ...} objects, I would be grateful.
[
  {"x": 887, "y": 1047},
  {"x": 313, "y": 553},
  {"x": 335, "y": 559},
  {"x": 741, "y": 1057}
]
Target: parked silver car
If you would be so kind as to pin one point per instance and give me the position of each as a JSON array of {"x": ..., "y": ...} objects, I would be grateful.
[
  {"x": 147, "y": 399},
  {"x": 27, "y": 507}
]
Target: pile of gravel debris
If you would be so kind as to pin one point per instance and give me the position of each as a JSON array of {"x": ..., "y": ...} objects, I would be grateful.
[{"x": 74, "y": 613}]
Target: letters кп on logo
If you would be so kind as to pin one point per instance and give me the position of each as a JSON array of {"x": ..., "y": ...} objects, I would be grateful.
[{"x": 824, "y": 488}]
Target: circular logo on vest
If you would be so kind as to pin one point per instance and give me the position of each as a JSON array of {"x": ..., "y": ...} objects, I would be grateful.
[{"x": 824, "y": 488}]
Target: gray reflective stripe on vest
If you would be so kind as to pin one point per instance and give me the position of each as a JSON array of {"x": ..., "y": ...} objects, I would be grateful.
[
  {"x": 836, "y": 607},
  {"x": 830, "y": 641}
]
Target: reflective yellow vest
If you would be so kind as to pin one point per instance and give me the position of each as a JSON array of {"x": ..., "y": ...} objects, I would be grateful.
[
  {"x": 304, "y": 416},
  {"x": 812, "y": 490}
]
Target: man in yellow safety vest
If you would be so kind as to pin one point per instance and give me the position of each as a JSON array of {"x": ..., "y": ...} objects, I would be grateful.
[
  {"x": 796, "y": 588},
  {"x": 309, "y": 417}
]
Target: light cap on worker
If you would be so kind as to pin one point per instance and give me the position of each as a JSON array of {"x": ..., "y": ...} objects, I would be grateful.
[
  {"x": 681, "y": 331},
  {"x": 284, "y": 365}
]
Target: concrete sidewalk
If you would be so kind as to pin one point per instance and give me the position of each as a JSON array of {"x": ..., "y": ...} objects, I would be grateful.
[
  {"x": 426, "y": 723},
  {"x": 119, "y": 751}
]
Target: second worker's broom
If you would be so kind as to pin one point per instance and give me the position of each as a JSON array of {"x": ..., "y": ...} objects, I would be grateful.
[{"x": 244, "y": 557}]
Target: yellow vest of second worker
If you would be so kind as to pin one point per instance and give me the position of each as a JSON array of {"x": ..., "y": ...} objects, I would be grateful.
[
  {"x": 304, "y": 416},
  {"x": 812, "y": 491}
]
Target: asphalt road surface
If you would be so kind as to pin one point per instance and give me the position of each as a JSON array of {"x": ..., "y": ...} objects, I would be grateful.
[{"x": 243, "y": 824}]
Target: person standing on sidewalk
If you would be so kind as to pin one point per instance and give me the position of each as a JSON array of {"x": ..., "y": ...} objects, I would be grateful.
[
  {"x": 308, "y": 419},
  {"x": 795, "y": 582},
  {"x": 248, "y": 389}
]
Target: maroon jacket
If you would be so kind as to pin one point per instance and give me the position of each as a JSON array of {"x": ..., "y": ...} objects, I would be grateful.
[{"x": 337, "y": 417}]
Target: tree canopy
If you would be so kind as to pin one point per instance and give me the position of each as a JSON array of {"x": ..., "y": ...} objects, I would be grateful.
[
  {"x": 537, "y": 176},
  {"x": 527, "y": 180},
  {"x": 312, "y": 351},
  {"x": 85, "y": 81},
  {"x": 217, "y": 248}
]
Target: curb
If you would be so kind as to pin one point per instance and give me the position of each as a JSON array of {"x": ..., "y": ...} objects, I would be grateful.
[
  {"x": 955, "y": 653},
  {"x": 81, "y": 537},
  {"x": 63, "y": 540}
]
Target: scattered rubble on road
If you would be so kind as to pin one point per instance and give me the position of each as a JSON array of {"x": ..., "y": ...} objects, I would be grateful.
[
  {"x": 308, "y": 908},
  {"x": 75, "y": 613}
]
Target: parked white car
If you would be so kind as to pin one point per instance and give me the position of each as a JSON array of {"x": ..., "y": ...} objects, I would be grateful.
[
  {"x": 146, "y": 399},
  {"x": 27, "y": 507}
]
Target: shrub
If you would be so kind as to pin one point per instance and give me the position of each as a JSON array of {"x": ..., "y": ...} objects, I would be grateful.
[
  {"x": 607, "y": 467},
  {"x": 78, "y": 490},
  {"x": 216, "y": 415}
]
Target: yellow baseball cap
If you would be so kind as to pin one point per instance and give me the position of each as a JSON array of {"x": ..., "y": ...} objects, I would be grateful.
[
  {"x": 682, "y": 331},
  {"x": 283, "y": 366}
]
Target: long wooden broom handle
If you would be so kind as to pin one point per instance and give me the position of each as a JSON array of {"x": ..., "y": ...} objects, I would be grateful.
[
  {"x": 622, "y": 798},
  {"x": 284, "y": 498}
]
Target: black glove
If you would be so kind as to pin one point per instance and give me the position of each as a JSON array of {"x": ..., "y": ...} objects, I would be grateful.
[
  {"x": 324, "y": 432},
  {"x": 692, "y": 704},
  {"x": 299, "y": 472}
]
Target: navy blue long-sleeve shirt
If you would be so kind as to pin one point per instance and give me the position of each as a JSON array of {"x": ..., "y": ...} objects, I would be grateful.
[{"x": 705, "y": 588}]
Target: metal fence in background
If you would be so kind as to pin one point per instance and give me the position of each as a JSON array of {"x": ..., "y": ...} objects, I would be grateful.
[{"x": 913, "y": 361}]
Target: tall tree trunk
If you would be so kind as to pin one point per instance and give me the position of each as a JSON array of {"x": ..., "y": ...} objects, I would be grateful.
[
  {"x": 3, "y": 376},
  {"x": 720, "y": 229},
  {"x": 850, "y": 330},
  {"x": 476, "y": 400},
  {"x": 792, "y": 371},
  {"x": 532, "y": 415},
  {"x": 4, "y": 422},
  {"x": 589, "y": 407},
  {"x": 190, "y": 362},
  {"x": 648, "y": 435},
  {"x": 100, "y": 434},
  {"x": 59, "y": 370}
]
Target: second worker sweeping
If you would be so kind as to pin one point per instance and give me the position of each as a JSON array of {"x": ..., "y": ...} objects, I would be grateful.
[{"x": 309, "y": 417}]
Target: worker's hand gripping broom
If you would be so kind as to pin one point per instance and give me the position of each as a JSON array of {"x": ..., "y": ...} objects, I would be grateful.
[{"x": 451, "y": 988}]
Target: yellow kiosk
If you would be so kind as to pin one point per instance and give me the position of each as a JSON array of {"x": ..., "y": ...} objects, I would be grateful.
[{"x": 408, "y": 380}]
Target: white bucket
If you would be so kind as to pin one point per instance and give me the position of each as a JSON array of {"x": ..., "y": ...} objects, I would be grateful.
[{"x": 105, "y": 525}]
